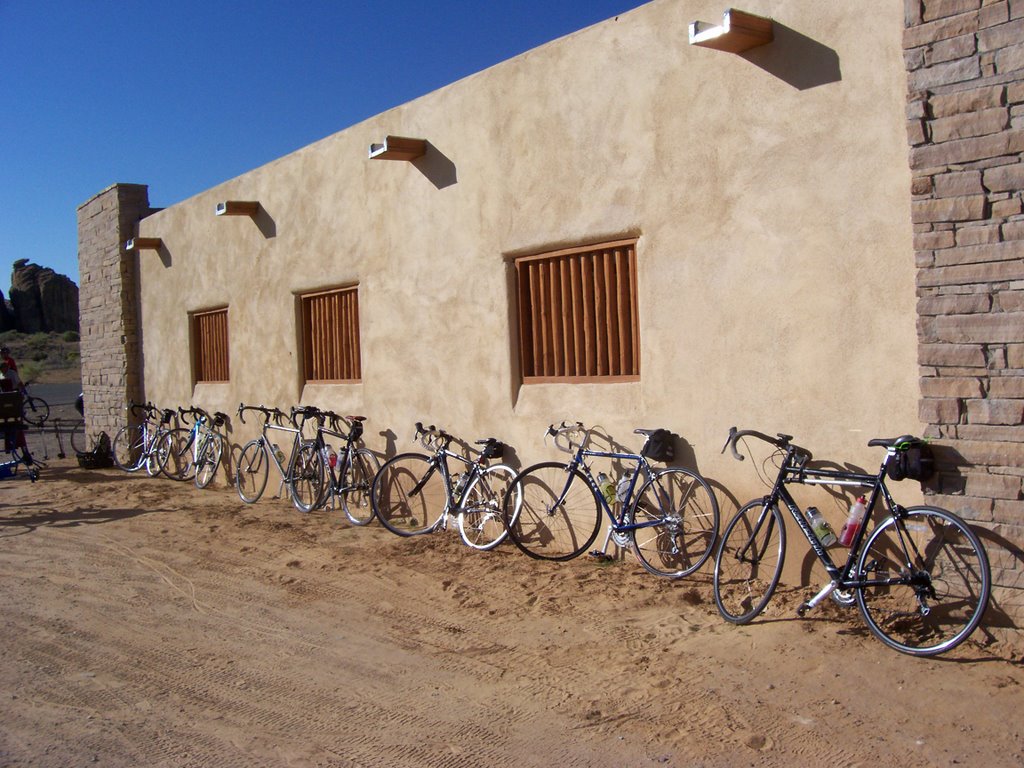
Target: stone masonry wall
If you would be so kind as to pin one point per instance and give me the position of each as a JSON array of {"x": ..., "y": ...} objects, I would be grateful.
[
  {"x": 965, "y": 65},
  {"x": 108, "y": 305}
]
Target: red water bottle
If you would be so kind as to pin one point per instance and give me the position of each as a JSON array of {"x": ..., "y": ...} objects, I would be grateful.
[{"x": 858, "y": 510}]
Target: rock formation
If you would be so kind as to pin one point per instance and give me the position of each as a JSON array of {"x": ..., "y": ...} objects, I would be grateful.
[{"x": 42, "y": 300}]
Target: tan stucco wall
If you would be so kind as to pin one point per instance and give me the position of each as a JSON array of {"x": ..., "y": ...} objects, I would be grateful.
[{"x": 776, "y": 283}]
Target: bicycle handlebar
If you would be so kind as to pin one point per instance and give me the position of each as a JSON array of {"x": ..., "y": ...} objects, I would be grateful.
[
  {"x": 566, "y": 430},
  {"x": 781, "y": 441},
  {"x": 276, "y": 413}
]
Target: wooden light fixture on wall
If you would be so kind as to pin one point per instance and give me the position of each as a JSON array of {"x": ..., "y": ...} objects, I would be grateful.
[
  {"x": 143, "y": 243},
  {"x": 398, "y": 148},
  {"x": 237, "y": 208},
  {"x": 739, "y": 32}
]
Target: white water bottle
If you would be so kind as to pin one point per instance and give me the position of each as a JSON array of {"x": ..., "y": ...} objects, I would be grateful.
[
  {"x": 622, "y": 489},
  {"x": 858, "y": 511},
  {"x": 279, "y": 454},
  {"x": 607, "y": 487},
  {"x": 821, "y": 528}
]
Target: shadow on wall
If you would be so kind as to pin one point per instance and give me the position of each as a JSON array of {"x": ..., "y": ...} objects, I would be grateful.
[
  {"x": 437, "y": 167},
  {"x": 797, "y": 59}
]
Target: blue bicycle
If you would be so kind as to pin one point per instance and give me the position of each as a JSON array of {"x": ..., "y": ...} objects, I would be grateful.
[{"x": 669, "y": 517}]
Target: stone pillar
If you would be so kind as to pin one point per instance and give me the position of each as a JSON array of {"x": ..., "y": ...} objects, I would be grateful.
[
  {"x": 965, "y": 109},
  {"x": 109, "y": 305}
]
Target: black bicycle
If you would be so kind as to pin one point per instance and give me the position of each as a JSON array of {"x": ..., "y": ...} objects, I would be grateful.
[{"x": 920, "y": 576}]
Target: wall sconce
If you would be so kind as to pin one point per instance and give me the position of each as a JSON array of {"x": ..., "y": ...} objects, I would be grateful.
[
  {"x": 144, "y": 244},
  {"x": 398, "y": 148},
  {"x": 740, "y": 31},
  {"x": 237, "y": 208}
]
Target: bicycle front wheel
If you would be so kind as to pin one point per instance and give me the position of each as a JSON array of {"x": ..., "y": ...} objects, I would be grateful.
[
  {"x": 127, "y": 447},
  {"x": 409, "y": 493},
  {"x": 176, "y": 444},
  {"x": 480, "y": 509},
  {"x": 559, "y": 513},
  {"x": 937, "y": 581},
  {"x": 207, "y": 459},
  {"x": 251, "y": 473},
  {"x": 307, "y": 482},
  {"x": 355, "y": 486},
  {"x": 749, "y": 561},
  {"x": 679, "y": 515},
  {"x": 156, "y": 456},
  {"x": 35, "y": 411}
]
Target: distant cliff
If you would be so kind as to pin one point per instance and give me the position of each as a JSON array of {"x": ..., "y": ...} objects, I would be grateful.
[{"x": 40, "y": 300}]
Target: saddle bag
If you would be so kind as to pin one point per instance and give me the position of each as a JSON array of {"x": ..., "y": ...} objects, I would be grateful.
[{"x": 915, "y": 462}]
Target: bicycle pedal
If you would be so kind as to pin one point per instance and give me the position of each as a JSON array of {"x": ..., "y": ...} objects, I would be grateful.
[{"x": 601, "y": 557}]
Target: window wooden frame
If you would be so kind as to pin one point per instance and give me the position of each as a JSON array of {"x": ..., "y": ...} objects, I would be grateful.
[
  {"x": 331, "y": 350},
  {"x": 578, "y": 319},
  {"x": 211, "y": 357}
]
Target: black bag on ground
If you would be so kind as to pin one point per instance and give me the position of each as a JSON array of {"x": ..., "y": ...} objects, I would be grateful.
[{"x": 100, "y": 457}]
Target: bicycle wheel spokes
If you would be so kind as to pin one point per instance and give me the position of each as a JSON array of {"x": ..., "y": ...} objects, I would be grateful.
[
  {"x": 749, "y": 562},
  {"x": 355, "y": 486},
  {"x": 128, "y": 446},
  {"x": 207, "y": 459},
  {"x": 179, "y": 465},
  {"x": 480, "y": 510},
  {"x": 307, "y": 483},
  {"x": 252, "y": 471},
  {"x": 685, "y": 512},
  {"x": 943, "y": 582},
  {"x": 554, "y": 522},
  {"x": 408, "y": 494}
]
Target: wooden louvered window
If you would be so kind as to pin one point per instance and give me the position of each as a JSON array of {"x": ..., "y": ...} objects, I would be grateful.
[
  {"x": 210, "y": 342},
  {"x": 578, "y": 314},
  {"x": 330, "y": 335}
]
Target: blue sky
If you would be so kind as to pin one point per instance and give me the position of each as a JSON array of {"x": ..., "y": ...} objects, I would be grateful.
[{"x": 184, "y": 94}]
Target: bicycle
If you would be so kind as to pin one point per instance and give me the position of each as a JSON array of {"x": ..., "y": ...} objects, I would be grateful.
[
  {"x": 411, "y": 488},
  {"x": 348, "y": 473},
  {"x": 671, "y": 523},
  {"x": 193, "y": 453},
  {"x": 301, "y": 471},
  {"x": 920, "y": 579},
  {"x": 135, "y": 446}
]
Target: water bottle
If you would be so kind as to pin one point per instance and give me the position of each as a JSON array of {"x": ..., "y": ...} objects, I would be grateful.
[
  {"x": 622, "y": 490},
  {"x": 332, "y": 457},
  {"x": 607, "y": 487},
  {"x": 459, "y": 484},
  {"x": 279, "y": 454},
  {"x": 858, "y": 511},
  {"x": 821, "y": 528}
]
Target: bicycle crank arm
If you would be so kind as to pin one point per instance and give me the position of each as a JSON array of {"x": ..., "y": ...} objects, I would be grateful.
[{"x": 816, "y": 600}]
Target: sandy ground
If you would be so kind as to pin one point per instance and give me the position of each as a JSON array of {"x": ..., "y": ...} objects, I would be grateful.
[{"x": 147, "y": 623}]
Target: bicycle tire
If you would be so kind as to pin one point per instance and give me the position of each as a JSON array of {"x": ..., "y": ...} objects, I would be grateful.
[
  {"x": 252, "y": 471},
  {"x": 155, "y": 458},
  {"x": 127, "y": 448},
  {"x": 35, "y": 411},
  {"x": 409, "y": 494},
  {"x": 954, "y": 569},
  {"x": 744, "y": 585},
  {"x": 686, "y": 531},
  {"x": 542, "y": 530},
  {"x": 207, "y": 459},
  {"x": 78, "y": 438},
  {"x": 178, "y": 464},
  {"x": 307, "y": 483},
  {"x": 481, "y": 507},
  {"x": 356, "y": 484}
]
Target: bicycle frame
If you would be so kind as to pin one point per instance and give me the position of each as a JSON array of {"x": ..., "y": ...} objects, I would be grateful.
[{"x": 794, "y": 471}]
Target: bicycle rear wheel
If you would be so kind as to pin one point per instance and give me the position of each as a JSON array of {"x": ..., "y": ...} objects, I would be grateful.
[
  {"x": 307, "y": 483},
  {"x": 559, "y": 513},
  {"x": 943, "y": 582},
  {"x": 749, "y": 562},
  {"x": 480, "y": 509},
  {"x": 356, "y": 484},
  {"x": 251, "y": 473},
  {"x": 207, "y": 459},
  {"x": 409, "y": 493},
  {"x": 35, "y": 410},
  {"x": 685, "y": 512},
  {"x": 78, "y": 438},
  {"x": 127, "y": 447},
  {"x": 155, "y": 457}
]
